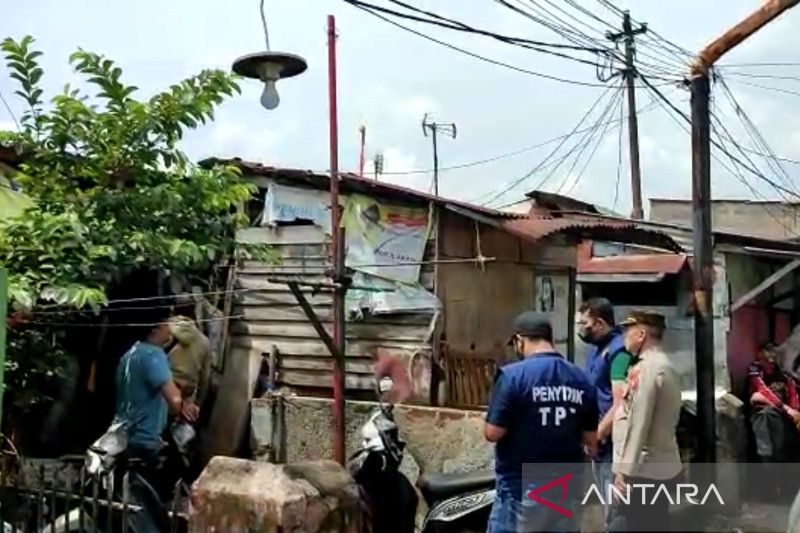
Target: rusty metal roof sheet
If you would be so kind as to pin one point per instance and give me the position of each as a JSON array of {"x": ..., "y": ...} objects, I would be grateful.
[
  {"x": 352, "y": 183},
  {"x": 589, "y": 226},
  {"x": 634, "y": 264}
]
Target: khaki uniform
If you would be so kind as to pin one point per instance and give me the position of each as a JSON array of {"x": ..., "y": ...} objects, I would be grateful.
[
  {"x": 645, "y": 445},
  {"x": 190, "y": 359}
]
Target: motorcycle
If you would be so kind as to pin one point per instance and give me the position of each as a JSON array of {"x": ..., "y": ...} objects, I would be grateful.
[
  {"x": 132, "y": 503},
  {"x": 456, "y": 502}
]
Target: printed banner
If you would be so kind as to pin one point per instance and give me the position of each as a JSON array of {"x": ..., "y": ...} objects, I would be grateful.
[
  {"x": 385, "y": 240},
  {"x": 388, "y": 297},
  {"x": 289, "y": 204}
]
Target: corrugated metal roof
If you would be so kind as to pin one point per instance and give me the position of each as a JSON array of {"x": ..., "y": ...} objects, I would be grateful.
[
  {"x": 591, "y": 226},
  {"x": 684, "y": 235},
  {"x": 634, "y": 264},
  {"x": 352, "y": 183}
]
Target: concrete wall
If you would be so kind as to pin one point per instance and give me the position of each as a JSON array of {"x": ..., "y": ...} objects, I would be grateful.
[
  {"x": 437, "y": 439},
  {"x": 773, "y": 220}
]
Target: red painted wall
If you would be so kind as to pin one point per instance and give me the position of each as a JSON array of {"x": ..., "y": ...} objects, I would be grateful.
[{"x": 749, "y": 328}]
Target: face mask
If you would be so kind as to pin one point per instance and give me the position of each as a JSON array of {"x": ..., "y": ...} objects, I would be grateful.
[{"x": 585, "y": 334}]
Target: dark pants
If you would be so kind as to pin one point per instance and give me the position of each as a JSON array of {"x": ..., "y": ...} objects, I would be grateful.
[
  {"x": 777, "y": 442},
  {"x": 636, "y": 516},
  {"x": 603, "y": 477},
  {"x": 511, "y": 515},
  {"x": 147, "y": 488}
]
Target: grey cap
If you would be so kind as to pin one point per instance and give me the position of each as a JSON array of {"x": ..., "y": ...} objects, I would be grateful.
[{"x": 532, "y": 324}]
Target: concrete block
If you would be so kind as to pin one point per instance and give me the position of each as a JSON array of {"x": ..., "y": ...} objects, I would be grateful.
[
  {"x": 438, "y": 439},
  {"x": 240, "y": 496}
]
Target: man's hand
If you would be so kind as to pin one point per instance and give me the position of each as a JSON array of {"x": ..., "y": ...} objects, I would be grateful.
[
  {"x": 189, "y": 412},
  {"x": 621, "y": 484}
]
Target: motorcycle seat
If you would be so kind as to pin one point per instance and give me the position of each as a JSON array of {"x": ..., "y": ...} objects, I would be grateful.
[{"x": 437, "y": 487}]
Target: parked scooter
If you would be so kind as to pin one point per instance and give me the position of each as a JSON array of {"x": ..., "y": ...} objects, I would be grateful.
[
  {"x": 456, "y": 502},
  {"x": 134, "y": 504}
]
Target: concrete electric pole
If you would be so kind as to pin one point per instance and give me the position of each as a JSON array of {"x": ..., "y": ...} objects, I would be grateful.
[
  {"x": 701, "y": 219},
  {"x": 629, "y": 34},
  {"x": 434, "y": 128}
]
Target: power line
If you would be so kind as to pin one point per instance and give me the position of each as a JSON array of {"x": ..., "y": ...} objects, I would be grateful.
[
  {"x": 736, "y": 173},
  {"x": 761, "y": 76},
  {"x": 520, "y": 180},
  {"x": 767, "y": 88},
  {"x": 451, "y": 24},
  {"x": 479, "y": 162},
  {"x": 758, "y": 65},
  {"x": 619, "y": 156},
  {"x": 589, "y": 137},
  {"x": 750, "y": 169},
  {"x": 570, "y": 35},
  {"x": 600, "y": 140},
  {"x": 457, "y": 25},
  {"x": 478, "y": 56},
  {"x": 758, "y": 138}
]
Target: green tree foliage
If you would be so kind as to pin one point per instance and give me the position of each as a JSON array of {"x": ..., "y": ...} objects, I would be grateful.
[{"x": 112, "y": 191}]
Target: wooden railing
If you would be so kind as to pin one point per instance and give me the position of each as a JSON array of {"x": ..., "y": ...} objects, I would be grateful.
[{"x": 469, "y": 378}]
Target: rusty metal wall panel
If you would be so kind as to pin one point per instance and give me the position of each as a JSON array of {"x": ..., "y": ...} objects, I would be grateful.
[{"x": 266, "y": 315}]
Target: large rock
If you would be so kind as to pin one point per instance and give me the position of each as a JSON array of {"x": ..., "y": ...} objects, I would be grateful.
[{"x": 240, "y": 496}]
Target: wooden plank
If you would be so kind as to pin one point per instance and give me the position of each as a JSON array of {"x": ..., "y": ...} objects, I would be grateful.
[
  {"x": 281, "y": 234},
  {"x": 312, "y": 379},
  {"x": 293, "y": 313},
  {"x": 307, "y": 347},
  {"x": 359, "y": 331},
  {"x": 357, "y": 366},
  {"x": 764, "y": 285},
  {"x": 283, "y": 298},
  {"x": 260, "y": 283}
]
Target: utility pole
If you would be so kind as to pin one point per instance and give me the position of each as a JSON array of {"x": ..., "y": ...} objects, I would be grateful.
[
  {"x": 701, "y": 209},
  {"x": 337, "y": 252},
  {"x": 434, "y": 128},
  {"x": 362, "y": 131},
  {"x": 377, "y": 163},
  {"x": 629, "y": 35}
]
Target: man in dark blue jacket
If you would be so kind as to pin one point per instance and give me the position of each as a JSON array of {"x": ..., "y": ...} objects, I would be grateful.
[
  {"x": 607, "y": 365},
  {"x": 543, "y": 412}
]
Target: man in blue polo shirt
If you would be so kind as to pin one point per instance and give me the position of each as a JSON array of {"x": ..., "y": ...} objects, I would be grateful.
[
  {"x": 543, "y": 410},
  {"x": 607, "y": 365}
]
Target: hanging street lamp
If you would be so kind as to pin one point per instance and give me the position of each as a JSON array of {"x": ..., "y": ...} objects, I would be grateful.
[{"x": 269, "y": 67}]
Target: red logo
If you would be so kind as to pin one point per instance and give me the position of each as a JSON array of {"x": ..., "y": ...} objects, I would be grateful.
[{"x": 561, "y": 482}]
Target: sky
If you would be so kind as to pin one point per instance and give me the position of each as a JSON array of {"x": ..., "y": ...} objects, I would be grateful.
[{"x": 388, "y": 79}]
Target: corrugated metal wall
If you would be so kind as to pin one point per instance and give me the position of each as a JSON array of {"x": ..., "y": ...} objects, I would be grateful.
[{"x": 268, "y": 315}]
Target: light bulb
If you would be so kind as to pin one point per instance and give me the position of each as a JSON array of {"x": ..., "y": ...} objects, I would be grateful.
[{"x": 270, "y": 98}]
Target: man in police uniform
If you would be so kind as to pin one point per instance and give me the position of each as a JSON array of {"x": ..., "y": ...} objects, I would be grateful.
[
  {"x": 607, "y": 365},
  {"x": 543, "y": 410},
  {"x": 645, "y": 446}
]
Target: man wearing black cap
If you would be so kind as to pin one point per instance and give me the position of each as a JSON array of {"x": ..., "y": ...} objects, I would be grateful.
[
  {"x": 645, "y": 447},
  {"x": 543, "y": 410}
]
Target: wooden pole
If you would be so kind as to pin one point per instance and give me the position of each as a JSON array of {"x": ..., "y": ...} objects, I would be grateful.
[
  {"x": 337, "y": 256},
  {"x": 703, "y": 269},
  {"x": 701, "y": 210}
]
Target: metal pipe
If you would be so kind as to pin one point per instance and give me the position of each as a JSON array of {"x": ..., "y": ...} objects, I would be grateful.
[{"x": 337, "y": 248}]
